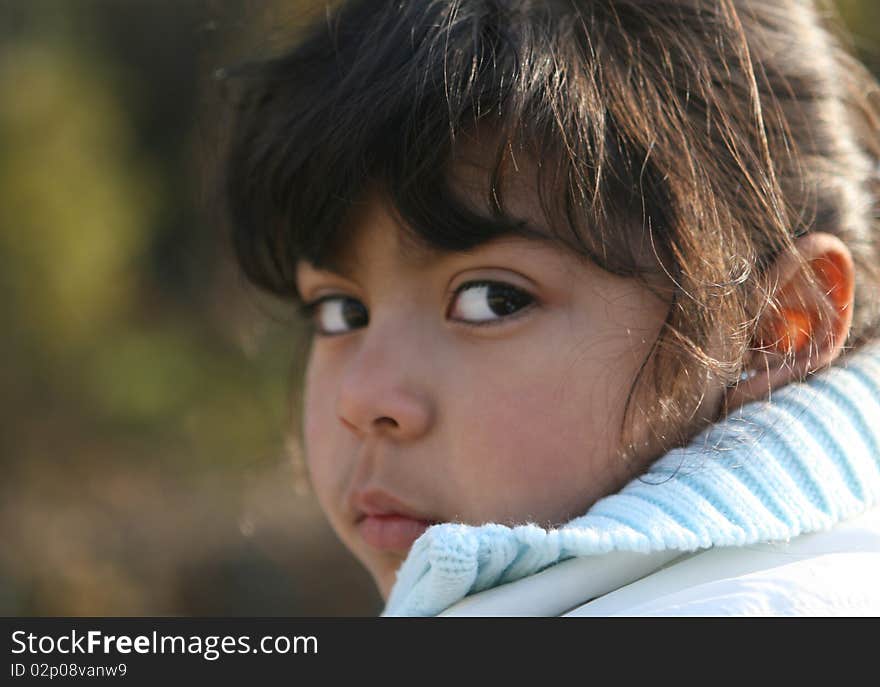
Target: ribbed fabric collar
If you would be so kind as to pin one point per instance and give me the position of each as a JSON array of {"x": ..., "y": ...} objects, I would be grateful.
[{"x": 800, "y": 462}]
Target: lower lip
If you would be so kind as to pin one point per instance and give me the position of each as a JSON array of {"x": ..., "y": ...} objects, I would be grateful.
[{"x": 391, "y": 532}]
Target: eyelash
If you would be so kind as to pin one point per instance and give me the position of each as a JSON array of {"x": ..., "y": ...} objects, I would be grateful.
[{"x": 308, "y": 310}]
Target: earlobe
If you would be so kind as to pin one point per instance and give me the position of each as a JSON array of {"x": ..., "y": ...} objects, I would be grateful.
[{"x": 807, "y": 328}]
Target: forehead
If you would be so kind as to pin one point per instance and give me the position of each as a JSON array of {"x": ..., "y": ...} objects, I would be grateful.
[
  {"x": 371, "y": 226},
  {"x": 374, "y": 230},
  {"x": 495, "y": 186}
]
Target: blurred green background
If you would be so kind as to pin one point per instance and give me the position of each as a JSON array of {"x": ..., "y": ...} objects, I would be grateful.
[{"x": 149, "y": 397}]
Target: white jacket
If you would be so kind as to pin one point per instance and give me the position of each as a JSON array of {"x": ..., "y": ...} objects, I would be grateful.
[{"x": 836, "y": 572}]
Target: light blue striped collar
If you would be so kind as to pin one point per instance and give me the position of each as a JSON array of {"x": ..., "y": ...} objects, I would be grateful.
[{"x": 801, "y": 462}]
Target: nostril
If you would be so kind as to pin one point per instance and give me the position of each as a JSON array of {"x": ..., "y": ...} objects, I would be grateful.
[{"x": 386, "y": 420}]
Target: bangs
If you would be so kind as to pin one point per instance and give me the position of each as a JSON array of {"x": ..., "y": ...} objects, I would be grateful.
[{"x": 398, "y": 99}]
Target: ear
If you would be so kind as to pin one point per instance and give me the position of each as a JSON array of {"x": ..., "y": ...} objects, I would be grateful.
[{"x": 807, "y": 329}]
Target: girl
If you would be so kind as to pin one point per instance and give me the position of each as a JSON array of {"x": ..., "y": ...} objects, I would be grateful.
[{"x": 590, "y": 283}]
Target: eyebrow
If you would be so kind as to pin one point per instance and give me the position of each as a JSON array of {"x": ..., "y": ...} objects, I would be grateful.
[{"x": 416, "y": 250}]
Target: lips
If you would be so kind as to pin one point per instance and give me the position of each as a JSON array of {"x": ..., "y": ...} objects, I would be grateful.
[
  {"x": 391, "y": 532},
  {"x": 387, "y": 524}
]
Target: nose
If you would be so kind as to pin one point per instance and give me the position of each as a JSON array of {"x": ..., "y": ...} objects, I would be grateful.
[{"x": 379, "y": 393}]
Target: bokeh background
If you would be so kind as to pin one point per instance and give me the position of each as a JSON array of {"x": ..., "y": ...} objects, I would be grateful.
[{"x": 149, "y": 398}]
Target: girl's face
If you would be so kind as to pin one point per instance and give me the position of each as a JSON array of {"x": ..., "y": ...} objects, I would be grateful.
[{"x": 483, "y": 386}]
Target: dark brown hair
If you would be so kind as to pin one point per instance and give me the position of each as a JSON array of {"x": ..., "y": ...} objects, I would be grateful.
[{"x": 714, "y": 132}]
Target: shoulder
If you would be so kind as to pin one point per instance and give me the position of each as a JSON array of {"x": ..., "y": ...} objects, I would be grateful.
[
  {"x": 825, "y": 573},
  {"x": 832, "y": 584}
]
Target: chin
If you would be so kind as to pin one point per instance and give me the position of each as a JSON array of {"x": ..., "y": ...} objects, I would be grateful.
[
  {"x": 383, "y": 583},
  {"x": 384, "y": 576}
]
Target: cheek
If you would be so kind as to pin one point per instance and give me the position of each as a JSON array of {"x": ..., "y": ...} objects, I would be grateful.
[
  {"x": 323, "y": 456},
  {"x": 315, "y": 417},
  {"x": 313, "y": 414},
  {"x": 551, "y": 431},
  {"x": 548, "y": 440}
]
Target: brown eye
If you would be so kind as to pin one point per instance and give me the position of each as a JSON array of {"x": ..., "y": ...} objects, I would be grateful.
[
  {"x": 484, "y": 302},
  {"x": 333, "y": 315}
]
